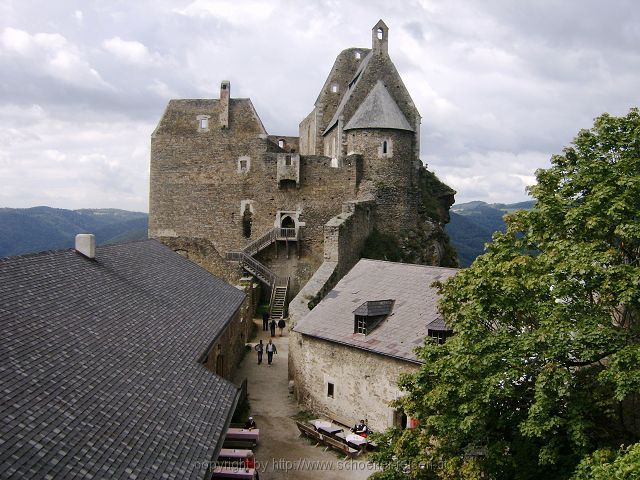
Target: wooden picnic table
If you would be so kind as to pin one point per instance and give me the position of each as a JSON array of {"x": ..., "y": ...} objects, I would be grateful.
[{"x": 243, "y": 434}]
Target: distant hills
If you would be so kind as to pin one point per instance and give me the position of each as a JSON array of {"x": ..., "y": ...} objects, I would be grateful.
[
  {"x": 26, "y": 230},
  {"x": 472, "y": 225}
]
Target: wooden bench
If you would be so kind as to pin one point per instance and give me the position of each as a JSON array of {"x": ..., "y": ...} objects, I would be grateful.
[
  {"x": 310, "y": 431},
  {"x": 342, "y": 447}
]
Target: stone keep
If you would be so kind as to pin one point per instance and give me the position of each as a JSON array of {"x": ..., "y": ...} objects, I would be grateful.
[{"x": 220, "y": 183}]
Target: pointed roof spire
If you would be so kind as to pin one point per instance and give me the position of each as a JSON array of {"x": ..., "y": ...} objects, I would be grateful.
[{"x": 379, "y": 110}]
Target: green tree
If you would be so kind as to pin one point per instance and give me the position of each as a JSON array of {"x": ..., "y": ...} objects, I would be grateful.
[{"x": 544, "y": 366}]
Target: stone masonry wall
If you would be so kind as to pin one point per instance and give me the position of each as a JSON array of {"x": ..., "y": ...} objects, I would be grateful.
[
  {"x": 364, "y": 382},
  {"x": 390, "y": 177},
  {"x": 199, "y": 190},
  {"x": 345, "y": 234}
]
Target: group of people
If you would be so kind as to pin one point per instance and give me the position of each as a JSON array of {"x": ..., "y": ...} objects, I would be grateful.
[
  {"x": 361, "y": 429},
  {"x": 270, "y": 348},
  {"x": 271, "y": 325}
]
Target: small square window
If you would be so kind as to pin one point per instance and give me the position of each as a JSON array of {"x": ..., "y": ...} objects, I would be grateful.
[
  {"x": 357, "y": 55},
  {"x": 330, "y": 390},
  {"x": 287, "y": 160},
  {"x": 243, "y": 165},
  {"x": 204, "y": 123},
  {"x": 334, "y": 88}
]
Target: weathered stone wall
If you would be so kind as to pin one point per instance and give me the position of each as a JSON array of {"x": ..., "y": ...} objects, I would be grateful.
[
  {"x": 307, "y": 130},
  {"x": 390, "y": 177},
  {"x": 230, "y": 345},
  {"x": 364, "y": 382},
  {"x": 202, "y": 182},
  {"x": 345, "y": 234}
]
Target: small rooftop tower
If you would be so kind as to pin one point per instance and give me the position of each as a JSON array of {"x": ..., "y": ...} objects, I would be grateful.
[
  {"x": 225, "y": 95},
  {"x": 380, "y": 38}
]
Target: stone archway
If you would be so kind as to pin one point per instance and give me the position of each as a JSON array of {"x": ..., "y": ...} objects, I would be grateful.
[{"x": 287, "y": 222}]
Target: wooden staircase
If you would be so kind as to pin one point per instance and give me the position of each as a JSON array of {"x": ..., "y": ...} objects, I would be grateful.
[
  {"x": 279, "y": 286},
  {"x": 278, "y": 304}
]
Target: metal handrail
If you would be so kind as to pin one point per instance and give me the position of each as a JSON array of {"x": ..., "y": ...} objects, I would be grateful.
[
  {"x": 259, "y": 243},
  {"x": 254, "y": 265},
  {"x": 287, "y": 233}
]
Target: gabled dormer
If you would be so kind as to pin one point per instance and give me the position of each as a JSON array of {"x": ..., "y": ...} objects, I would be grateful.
[{"x": 369, "y": 315}]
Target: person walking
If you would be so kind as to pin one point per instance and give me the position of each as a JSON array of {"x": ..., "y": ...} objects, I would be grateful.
[
  {"x": 281, "y": 325},
  {"x": 271, "y": 349},
  {"x": 272, "y": 324},
  {"x": 259, "y": 348},
  {"x": 265, "y": 321}
]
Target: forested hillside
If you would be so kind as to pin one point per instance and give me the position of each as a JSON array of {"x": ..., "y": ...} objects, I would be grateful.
[
  {"x": 472, "y": 225},
  {"x": 26, "y": 230}
]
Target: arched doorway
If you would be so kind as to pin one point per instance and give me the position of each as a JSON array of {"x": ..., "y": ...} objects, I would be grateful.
[{"x": 287, "y": 222}]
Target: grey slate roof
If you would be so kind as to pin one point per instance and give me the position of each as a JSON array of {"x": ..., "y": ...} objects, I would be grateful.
[
  {"x": 99, "y": 372},
  {"x": 378, "y": 110},
  {"x": 374, "y": 308},
  {"x": 415, "y": 307}
]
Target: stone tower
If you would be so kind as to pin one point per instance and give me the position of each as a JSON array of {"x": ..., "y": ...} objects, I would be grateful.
[{"x": 230, "y": 196}]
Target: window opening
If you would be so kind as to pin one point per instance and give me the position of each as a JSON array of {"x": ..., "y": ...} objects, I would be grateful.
[
  {"x": 204, "y": 123},
  {"x": 247, "y": 220},
  {"x": 380, "y": 33},
  {"x": 330, "y": 390},
  {"x": 384, "y": 147}
]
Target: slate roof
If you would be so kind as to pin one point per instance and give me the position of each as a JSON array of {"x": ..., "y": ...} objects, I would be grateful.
[
  {"x": 415, "y": 307},
  {"x": 99, "y": 372},
  {"x": 374, "y": 308},
  {"x": 378, "y": 110}
]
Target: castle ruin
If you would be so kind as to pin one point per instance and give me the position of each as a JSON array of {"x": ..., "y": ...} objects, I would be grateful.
[{"x": 230, "y": 196}]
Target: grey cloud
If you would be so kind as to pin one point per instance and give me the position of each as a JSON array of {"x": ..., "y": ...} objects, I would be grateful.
[{"x": 497, "y": 83}]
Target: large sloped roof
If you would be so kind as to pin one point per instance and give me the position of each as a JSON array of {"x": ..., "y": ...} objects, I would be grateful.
[
  {"x": 378, "y": 110},
  {"x": 414, "y": 307},
  {"x": 99, "y": 372}
]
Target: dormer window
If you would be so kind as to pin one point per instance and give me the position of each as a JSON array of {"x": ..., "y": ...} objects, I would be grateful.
[
  {"x": 439, "y": 331},
  {"x": 334, "y": 88},
  {"x": 281, "y": 143},
  {"x": 369, "y": 315}
]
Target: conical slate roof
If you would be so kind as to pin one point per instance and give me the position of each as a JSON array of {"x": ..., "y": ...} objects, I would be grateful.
[{"x": 379, "y": 110}]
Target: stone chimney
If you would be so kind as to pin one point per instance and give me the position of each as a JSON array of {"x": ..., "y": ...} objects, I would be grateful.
[
  {"x": 380, "y": 38},
  {"x": 225, "y": 98},
  {"x": 86, "y": 244}
]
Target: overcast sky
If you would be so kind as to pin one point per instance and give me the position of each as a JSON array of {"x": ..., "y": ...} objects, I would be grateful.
[{"x": 500, "y": 85}]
